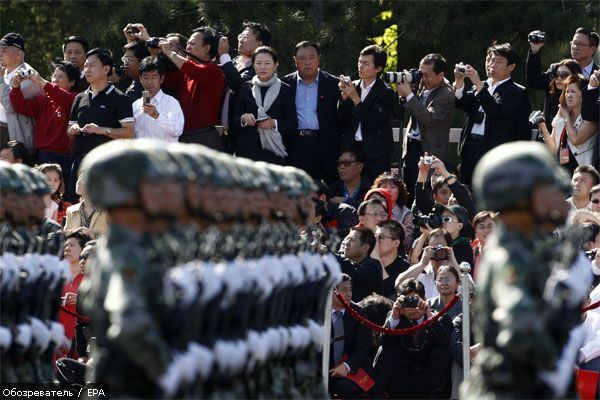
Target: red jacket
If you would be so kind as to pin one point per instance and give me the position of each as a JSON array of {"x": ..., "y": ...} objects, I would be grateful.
[
  {"x": 199, "y": 91},
  {"x": 51, "y": 113}
]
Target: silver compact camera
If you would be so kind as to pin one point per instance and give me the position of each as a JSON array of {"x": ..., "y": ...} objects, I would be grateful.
[
  {"x": 427, "y": 160},
  {"x": 24, "y": 73}
]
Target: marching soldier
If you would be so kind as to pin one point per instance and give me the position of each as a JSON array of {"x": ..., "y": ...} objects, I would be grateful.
[{"x": 531, "y": 286}]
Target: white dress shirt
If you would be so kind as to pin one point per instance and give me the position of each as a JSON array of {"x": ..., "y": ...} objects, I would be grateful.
[
  {"x": 364, "y": 91},
  {"x": 169, "y": 124},
  {"x": 479, "y": 129},
  {"x": 591, "y": 346}
]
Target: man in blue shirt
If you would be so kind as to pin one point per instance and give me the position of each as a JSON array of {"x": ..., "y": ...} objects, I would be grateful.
[{"x": 315, "y": 146}]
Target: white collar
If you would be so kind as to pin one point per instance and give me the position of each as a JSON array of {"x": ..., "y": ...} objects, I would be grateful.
[
  {"x": 159, "y": 96},
  {"x": 491, "y": 84},
  {"x": 368, "y": 87}
]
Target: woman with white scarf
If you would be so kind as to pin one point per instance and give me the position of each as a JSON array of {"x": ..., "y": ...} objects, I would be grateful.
[{"x": 266, "y": 111}]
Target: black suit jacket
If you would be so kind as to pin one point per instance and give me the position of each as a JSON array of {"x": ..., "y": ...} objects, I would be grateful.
[
  {"x": 367, "y": 277},
  {"x": 329, "y": 125},
  {"x": 507, "y": 113},
  {"x": 283, "y": 110},
  {"x": 233, "y": 81},
  {"x": 357, "y": 342},
  {"x": 374, "y": 116}
]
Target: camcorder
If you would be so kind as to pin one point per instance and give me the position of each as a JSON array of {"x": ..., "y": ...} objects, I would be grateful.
[
  {"x": 410, "y": 302},
  {"x": 537, "y": 37},
  {"x": 440, "y": 253},
  {"x": 412, "y": 76},
  {"x": 433, "y": 220},
  {"x": 153, "y": 43}
]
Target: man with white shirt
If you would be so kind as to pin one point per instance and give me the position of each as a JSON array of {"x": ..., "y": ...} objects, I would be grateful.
[
  {"x": 365, "y": 109},
  {"x": 14, "y": 126},
  {"x": 161, "y": 117},
  {"x": 431, "y": 110},
  {"x": 497, "y": 108}
]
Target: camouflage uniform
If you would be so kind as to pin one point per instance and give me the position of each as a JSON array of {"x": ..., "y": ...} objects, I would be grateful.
[{"x": 523, "y": 318}]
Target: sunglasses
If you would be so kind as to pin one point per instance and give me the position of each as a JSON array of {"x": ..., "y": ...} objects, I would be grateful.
[
  {"x": 562, "y": 74},
  {"x": 447, "y": 219},
  {"x": 345, "y": 163}
]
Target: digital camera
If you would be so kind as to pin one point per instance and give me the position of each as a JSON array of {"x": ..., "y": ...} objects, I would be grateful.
[
  {"x": 24, "y": 73},
  {"x": 153, "y": 43},
  {"x": 440, "y": 253},
  {"x": 411, "y": 302}
]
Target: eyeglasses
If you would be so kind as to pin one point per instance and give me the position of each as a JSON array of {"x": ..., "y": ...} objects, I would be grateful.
[
  {"x": 127, "y": 58},
  {"x": 595, "y": 201},
  {"x": 448, "y": 219},
  {"x": 83, "y": 256},
  {"x": 345, "y": 163},
  {"x": 445, "y": 280},
  {"x": 578, "y": 44},
  {"x": 562, "y": 74},
  {"x": 483, "y": 226},
  {"x": 376, "y": 214},
  {"x": 244, "y": 37},
  {"x": 383, "y": 237}
]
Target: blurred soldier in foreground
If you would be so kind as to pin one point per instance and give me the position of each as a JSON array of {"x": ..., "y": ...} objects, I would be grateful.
[{"x": 531, "y": 285}]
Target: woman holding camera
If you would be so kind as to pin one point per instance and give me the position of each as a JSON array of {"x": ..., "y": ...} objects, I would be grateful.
[
  {"x": 572, "y": 146},
  {"x": 265, "y": 110},
  {"x": 432, "y": 250}
]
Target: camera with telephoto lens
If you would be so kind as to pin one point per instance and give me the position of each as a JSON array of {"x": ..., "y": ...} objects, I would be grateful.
[
  {"x": 440, "y": 253},
  {"x": 434, "y": 220},
  {"x": 413, "y": 76},
  {"x": 152, "y": 43},
  {"x": 537, "y": 37},
  {"x": 24, "y": 73},
  {"x": 410, "y": 302}
]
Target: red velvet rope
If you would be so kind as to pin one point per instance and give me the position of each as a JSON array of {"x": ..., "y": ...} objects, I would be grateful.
[
  {"x": 389, "y": 331},
  {"x": 81, "y": 318},
  {"x": 591, "y": 307}
]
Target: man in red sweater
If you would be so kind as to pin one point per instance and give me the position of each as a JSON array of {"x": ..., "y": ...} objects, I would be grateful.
[
  {"x": 51, "y": 112},
  {"x": 199, "y": 84}
]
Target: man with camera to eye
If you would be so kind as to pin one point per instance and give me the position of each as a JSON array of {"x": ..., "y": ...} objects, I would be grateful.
[
  {"x": 431, "y": 110},
  {"x": 14, "y": 126},
  {"x": 497, "y": 108},
  {"x": 133, "y": 54},
  {"x": 415, "y": 365}
]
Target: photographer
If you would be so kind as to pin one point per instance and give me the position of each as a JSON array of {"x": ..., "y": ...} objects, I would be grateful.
[
  {"x": 431, "y": 111},
  {"x": 51, "y": 112},
  {"x": 365, "y": 109},
  {"x": 14, "y": 126},
  {"x": 133, "y": 55},
  {"x": 158, "y": 116},
  {"x": 440, "y": 188},
  {"x": 434, "y": 247},
  {"x": 413, "y": 366},
  {"x": 497, "y": 109},
  {"x": 199, "y": 83}
]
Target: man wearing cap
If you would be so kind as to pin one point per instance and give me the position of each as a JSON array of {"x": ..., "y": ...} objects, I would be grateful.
[{"x": 12, "y": 60}]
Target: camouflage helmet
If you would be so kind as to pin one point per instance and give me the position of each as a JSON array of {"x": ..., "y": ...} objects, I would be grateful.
[
  {"x": 9, "y": 180},
  {"x": 113, "y": 171},
  {"x": 509, "y": 173}
]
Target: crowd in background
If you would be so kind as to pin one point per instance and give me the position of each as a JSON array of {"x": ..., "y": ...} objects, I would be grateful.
[{"x": 404, "y": 229}]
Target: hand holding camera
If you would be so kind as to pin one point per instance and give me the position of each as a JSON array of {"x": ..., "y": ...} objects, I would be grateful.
[
  {"x": 403, "y": 88},
  {"x": 536, "y": 40},
  {"x": 536, "y": 118},
  {"x": 223, "y": 45}
]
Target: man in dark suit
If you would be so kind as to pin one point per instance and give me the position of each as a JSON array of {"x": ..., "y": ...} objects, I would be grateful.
[
  {"x": 316, "y": 145},
  {"x": 237, "y": 71},
  {"x": 366, "y": 272},
  {"x": 431, "y": 111},
  {"x": 497, "y": 109},
  {"x": 350, "y": 344},
  {"x": 365, "y": 109},
  {"x": 416, "y": 365}
]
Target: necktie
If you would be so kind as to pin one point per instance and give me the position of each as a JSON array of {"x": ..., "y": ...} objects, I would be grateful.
[{"x": 338, "y": 332}]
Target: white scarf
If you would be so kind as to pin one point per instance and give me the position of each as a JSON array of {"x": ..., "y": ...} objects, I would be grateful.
[{"x": 270, "y": 139}]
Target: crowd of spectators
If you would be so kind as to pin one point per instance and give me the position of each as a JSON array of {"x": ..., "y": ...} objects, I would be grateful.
[{"x": 404, "y": 229}]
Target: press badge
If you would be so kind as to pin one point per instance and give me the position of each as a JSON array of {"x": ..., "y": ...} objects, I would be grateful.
[{"x": 564, "y": 155}]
